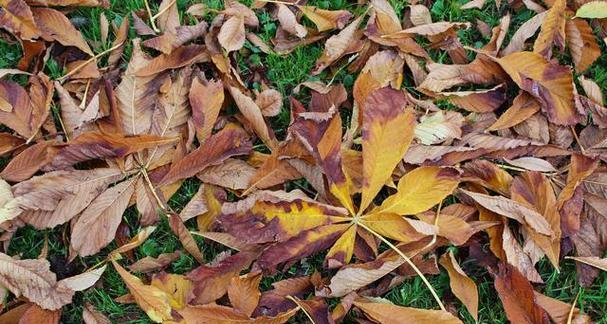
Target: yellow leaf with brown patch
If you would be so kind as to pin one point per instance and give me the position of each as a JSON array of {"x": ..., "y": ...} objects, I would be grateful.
[
  {"x": 388, "y": 129},
  {"x": 154, "y": 301},
  {"x": 550, "y": 83}
]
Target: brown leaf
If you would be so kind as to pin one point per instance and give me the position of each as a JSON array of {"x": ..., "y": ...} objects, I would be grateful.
[
  {"x": 150, "y": 264},
  {"x": 229, "y": 142},
  {"x": 180, "y": 57},
  {"x": 214, "y": 313},
  {"x": 326, "y": 19},
  {"x": 388, "y": 313},
  {"x": 353, "y": 277},
  {"x": 34, "y": 280},
  {"x": 56, "y": 197},
  {"x": 420, "y": 15},
  {"x": 337, "y": 45},
  {"x": 152, "y": 300},
  {"x": 253, "y": 114},
  {"x": 231, "y": 174},
  {"x": 36, "y": 315},
  {"x": 512, "y": 209},
  {"x": 17, "y": 18},
  {"x": 244, "y": 293},
  {"x": 56, "y": 27},
  {"x": 523, "y": 107},
  {"x": 552, "y": 31},
  {"x": 29, "y": 112},
  {"x": 136, "y": 96},
  {"x": 94, "y": 145},
  {"x": 270, "y": 102},
  {"x": 551, "y": 84},
  {"x": 559, "y": 311},
  {"x": 96, "y": 227},
  {"x": 288, "y": 21},
  {"x": 518, "y": 297},
  {"x": 173, "y": 39},
  {"x": 582, "y": 44},
  {"x": 185, "y": 237},
  {"x": 462, "y": 286},
  {"x": 28, "y": 162},
  {"x": 211, "y": 282},
  {"x": 526, "y": 31},
  {"x": 206, "y": 99}
]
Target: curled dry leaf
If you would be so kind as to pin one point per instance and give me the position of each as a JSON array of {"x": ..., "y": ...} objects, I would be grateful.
[{"x": 326, "y": 19}]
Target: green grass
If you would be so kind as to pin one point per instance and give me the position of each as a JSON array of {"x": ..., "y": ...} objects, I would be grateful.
[{"x": 284, "y": 73}]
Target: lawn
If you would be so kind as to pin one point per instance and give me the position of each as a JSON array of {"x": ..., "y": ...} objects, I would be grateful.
[{"x": 284, "y": 73}]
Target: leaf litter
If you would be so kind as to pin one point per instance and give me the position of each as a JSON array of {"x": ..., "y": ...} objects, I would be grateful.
[{"x": 511, "y": 174}]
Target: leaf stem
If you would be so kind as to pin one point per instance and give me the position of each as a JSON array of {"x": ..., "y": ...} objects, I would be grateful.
[
  {"x": 572, "y": 310},
  {"x": 152, "y": 189},
  {"x": 411, "y": 264},
  {"x": 293, "y": 299},
  {"x": 79, "y": 67},
  {"x": 163, "y": 10},
  {"x": 147, "y": 8}
]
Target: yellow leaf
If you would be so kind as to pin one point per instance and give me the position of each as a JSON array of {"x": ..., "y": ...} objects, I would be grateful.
[
  {"x": 175, "y": 286},
  {"x": 462, "y": 286},
  {"x": 419, "y": 190},
  {"x": 153, "y": 301},
  {"x": 388, "y": 129}
]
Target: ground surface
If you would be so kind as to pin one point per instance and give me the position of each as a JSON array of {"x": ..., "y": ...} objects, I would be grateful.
[{"x": 285, "y": 72}]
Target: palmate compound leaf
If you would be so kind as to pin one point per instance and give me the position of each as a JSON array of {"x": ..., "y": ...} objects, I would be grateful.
[{"x": 308, "y": 231}]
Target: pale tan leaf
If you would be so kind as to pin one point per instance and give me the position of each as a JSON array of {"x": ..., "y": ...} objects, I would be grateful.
[
  {"x": 387, "y": 313},
  {"x": 288, "y": 21},
  {"x": 592, "y": 261},
  {"x": 232, "y": 34},
  {"x": 98, "y": 223},
  {"x": 512, "y": 209},
  {"x": 420, "y": 15}
]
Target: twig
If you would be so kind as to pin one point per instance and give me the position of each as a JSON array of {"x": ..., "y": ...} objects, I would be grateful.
[
  {"x": 577, "y": 139},
  {"x": 147, "y": 8},
  {"x": 570, "y": 317},
  {"x": 79, "y": 67},
  {"x": 291, "y": 298},
  {"x": 151, "y": 186},
  {"x": 411, "y": 264},
  {"x": 163, "y": 10}
]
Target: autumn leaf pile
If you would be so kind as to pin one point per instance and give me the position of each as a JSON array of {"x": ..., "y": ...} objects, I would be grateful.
[{"x": 395, "y": 185}]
